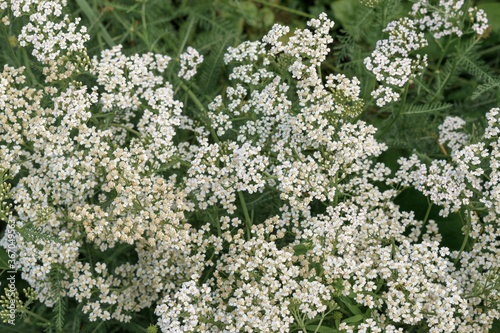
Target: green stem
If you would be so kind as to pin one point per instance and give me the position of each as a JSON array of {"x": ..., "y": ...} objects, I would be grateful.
[
  {"x": 396, "y": 115},
  {"x": 320, "y": 322},
  {"x": 216, "y": 220},
  {"x": 6, "y": 36},
  {"x": 439, "y": 62},
  {"x": 441, "y": 87},
  {"x": 258, "y": 199},
  {"x": 491, "y": 49},
  {"x": 97, "y": 327},
  {"x": 202, "y": 108},
  {"x": 126, "y": 128},
  {"x": 466, "y": 238},
  {"x": 450, "y": 74},
  {"x": 239, "y": 118},
  {"x": 428, "y": 211},
  {"x": 27, "y": 65},
  {"x": 28, "y": 312},
  {"x": 286, "y": 9},
  {"x": 336, "y": 200},
  {"x": 144, "y": 25},
  {"x": 436, "y": 70},
  {"x": 248, "y": 221},
  {"x": 426, "y": 217}
]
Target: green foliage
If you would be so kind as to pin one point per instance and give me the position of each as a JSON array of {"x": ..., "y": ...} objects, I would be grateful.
[
  {"x": 427, "y": 108},
  {"x": 56, "y": 275},
  {"x": 4, "y": 195},
  {"x": 152, "y": 329}
]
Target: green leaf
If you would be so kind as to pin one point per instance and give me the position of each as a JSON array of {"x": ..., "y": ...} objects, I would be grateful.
[
  {"x": 267, "y": 16},
  {"x": 496, "y": 326},
  {"x": 343, "y": 10},
  {"x": 353, "y": 319},
  {"x": 300, "y": 249},
  {"x": 213, "y": 65},
  {"x": 152, "y": 329},
  {"x": 94, "y": 19},
  {"x": 423, "y": 157},
  {"x": 428, "y": 108},
  {"x": 59, "y": 309},
  {"x": 475, "y": 66},
  {"x": 250, "y": 12},
  {"x": 484, "y": 88},
  {"x": 350, "y": 304},
  {"x": 4, "y": 259},
  {"x": 321, "y": 329}
]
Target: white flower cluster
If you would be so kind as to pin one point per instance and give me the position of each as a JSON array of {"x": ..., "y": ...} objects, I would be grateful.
[
  {"x": 132, "y": 84},
  {"x": 59, "y": 45},
  {"x": 363, "y": 239},
  {"x": 391, "y": 61},
  {"x": 348, "y": 250},
  {"x": 304, "y": 43},
  {"x": 93, "y": 180},
  {"x": 452, "y": 185},
  {"x": 66, "y": 171},
  {"x": 480, "y": 21},
  {"x": 471, "y": 184},
  {"x": 441, "y": 20},
  {"x": 446, "y": 18},
  {"x": 219, "y": 171},
  {"x": 449, "y": 133},
  {"x": 189, "y": 63},
  {"x": 256, "y": 287}
]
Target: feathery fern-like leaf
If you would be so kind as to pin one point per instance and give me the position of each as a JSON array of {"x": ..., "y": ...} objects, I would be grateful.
[
  {"x": 212, "y": 67},
  {"x": 59, "y": 311},
  {"x": 484, "y": 88},
  {"x": 33, "y": 233},
  {"x": 471, "y": 63},
  {"x": 427, "y": 108}
]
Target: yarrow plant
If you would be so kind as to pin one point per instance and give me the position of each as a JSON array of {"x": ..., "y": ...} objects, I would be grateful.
[{"x": 266, "y": 206}]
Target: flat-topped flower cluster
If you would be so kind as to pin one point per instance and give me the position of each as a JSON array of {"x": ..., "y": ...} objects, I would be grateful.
[
  {"x": 102, "y": 170},
  {"x": 395, "y": 60}
]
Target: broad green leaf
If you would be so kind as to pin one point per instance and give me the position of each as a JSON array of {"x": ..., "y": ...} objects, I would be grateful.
[
  {"x": 300, "y": 249},
  {"x": 321, "y": 329},
  {"x": 4, "y": 258},
  {"x": 353, "y": 319},
  {"x": 350, "y": 304},
  {"x": 267, "y": 16}
]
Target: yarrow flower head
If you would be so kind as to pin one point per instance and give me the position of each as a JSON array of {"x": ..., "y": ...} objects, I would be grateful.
[
  {"x": 447, "y": 17},
  {"x": 480, "y": 21},
  {"x": 449, "y": 134},
  {"x": 392, "y": 62},
  {"x": 189, "y": 63},
  {"x": 57, "y": 41}
]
